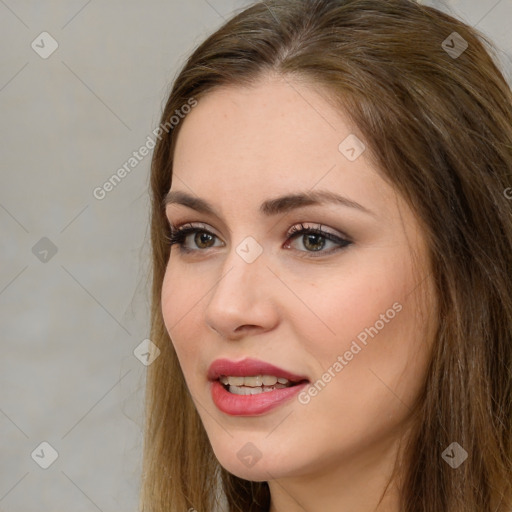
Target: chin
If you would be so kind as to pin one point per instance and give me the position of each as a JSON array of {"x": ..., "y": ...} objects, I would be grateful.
[{"x": 255, "y": 461}]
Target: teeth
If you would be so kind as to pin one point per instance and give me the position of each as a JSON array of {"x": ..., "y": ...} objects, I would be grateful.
[
  {"x": 236, "y": 381},
  {"x": 254, "y": 381},
  {"x": 243, "y": 390},
  {"x": 270, "y": 380}
]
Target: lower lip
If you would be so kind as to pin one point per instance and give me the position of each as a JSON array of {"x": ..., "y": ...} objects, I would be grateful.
[{"x": 251, "y": 405}]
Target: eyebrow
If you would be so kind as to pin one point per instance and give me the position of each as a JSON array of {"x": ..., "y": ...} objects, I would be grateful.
[{"x": 270, "y": 207}]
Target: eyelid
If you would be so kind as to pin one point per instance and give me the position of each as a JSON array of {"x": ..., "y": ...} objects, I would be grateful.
[
  {"x": 317, "y": 227},
  {"x": 341, "y": 241},
  {"x": 291, "y": 231},
  {"x": 194, "y": 225},
  {"x": 180, "y": 232}
]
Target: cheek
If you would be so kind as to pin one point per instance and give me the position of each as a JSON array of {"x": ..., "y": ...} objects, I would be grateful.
[
  {"x": 370, "y": 318},
  {"x": 352, "y": 304},
  {"x": 169, "y": 296},
  {"x": 181, "y": 291},
  {"x": 180, "y": 298},
  {"x": 179, "y": 302}
]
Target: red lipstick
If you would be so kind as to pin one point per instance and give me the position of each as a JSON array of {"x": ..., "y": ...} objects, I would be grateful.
[{"x": 251, "y": 405}]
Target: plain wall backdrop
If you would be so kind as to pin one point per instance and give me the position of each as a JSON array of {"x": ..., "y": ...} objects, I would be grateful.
[{"x": 74, "y": 263}]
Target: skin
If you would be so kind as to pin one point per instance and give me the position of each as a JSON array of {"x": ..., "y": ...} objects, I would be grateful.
[{"x": 292, "y": 307}]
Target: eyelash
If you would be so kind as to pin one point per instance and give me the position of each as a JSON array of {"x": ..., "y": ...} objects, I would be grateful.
[{"x": 179, "y": 234}]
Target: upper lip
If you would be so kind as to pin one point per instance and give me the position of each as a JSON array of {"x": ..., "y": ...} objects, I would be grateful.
[{"x": 249, "y": 367}]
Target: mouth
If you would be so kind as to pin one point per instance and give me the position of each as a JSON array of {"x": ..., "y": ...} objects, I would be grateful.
[
  {"x": 251, "y": 387},
  {"x": 254, "y": 385}
]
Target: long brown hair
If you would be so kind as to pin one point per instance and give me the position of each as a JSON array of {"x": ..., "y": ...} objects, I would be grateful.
[{"x": 437, "y": 120}]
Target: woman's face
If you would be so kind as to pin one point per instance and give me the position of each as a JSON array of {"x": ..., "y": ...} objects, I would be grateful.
[{"x": 342, "y": 315}]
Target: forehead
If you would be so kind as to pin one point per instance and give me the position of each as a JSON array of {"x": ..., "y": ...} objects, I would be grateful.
[{"x": 269, "y": 139}]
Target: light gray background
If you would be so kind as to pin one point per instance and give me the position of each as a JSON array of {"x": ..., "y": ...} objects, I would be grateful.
[{"x": 69, "y": 325}]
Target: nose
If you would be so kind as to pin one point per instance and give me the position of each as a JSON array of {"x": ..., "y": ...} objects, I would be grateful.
[{"x": 242, "y": 300}]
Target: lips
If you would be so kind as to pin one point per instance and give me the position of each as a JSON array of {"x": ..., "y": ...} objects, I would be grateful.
[
  {"x": 249, "y": 367},
  {"x": 246, "y": 403}
]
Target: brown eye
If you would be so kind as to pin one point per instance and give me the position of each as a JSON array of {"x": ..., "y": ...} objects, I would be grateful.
[
  {"x": 203, "y": 239},
  {"x": 314, "y": 240}
]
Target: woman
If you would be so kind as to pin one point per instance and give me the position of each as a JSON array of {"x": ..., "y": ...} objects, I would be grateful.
[{"x": 332, "y": 247}]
